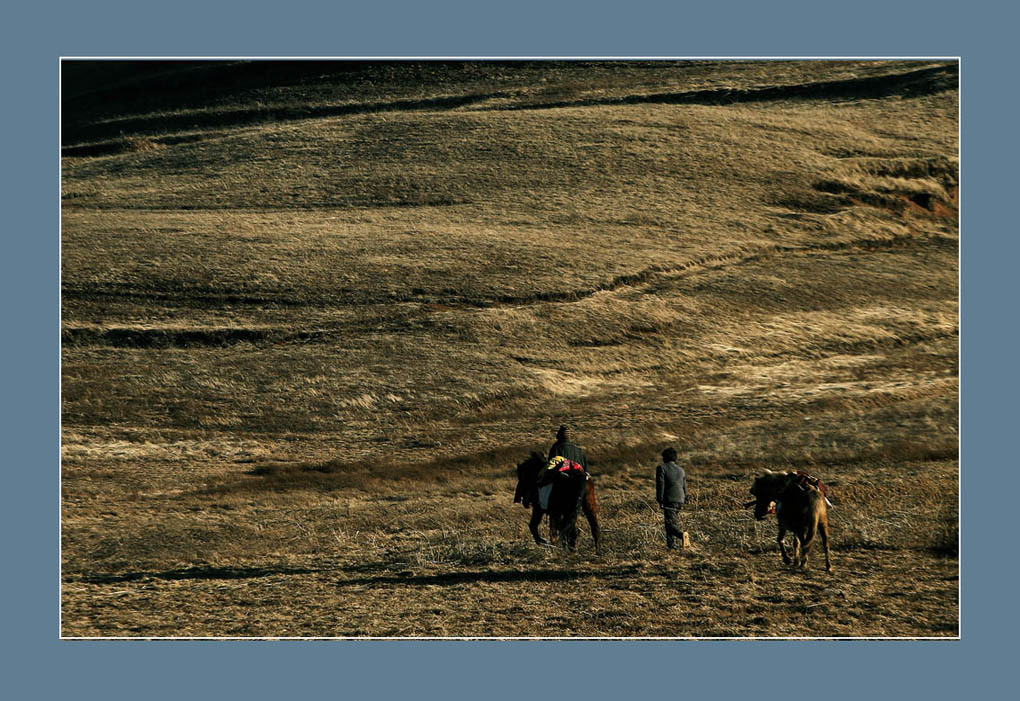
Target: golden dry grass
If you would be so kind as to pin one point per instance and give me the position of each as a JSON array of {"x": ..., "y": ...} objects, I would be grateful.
[{"x": 310, "y": 324}]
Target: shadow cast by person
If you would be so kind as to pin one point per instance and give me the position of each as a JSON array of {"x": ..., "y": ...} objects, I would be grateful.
[{"x": 571, "y": 492}]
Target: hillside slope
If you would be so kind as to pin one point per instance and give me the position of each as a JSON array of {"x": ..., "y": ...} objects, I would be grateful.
[{"x": 388, "y": 281}]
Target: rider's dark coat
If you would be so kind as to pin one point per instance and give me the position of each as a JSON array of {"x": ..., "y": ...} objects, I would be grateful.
[{"x": 569, "y": 451}]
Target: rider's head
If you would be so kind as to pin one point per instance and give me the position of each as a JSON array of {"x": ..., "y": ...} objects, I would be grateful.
[
  {"x": 563, "y": 434},
  {"x": 668, "y": 455}
]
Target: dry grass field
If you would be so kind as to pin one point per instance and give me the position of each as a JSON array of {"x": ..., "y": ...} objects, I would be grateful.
[{"x": 314, "y": 313}]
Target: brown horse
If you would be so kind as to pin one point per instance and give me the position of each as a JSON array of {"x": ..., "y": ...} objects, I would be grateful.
[
  {"x": 570, "y": 493},
  {"x": 800, "y": 508}
]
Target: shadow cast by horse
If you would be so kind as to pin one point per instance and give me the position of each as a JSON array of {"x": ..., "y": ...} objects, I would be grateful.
[
  {"x": 495, "y": 576},
  {"x": 570, "y": 492}
]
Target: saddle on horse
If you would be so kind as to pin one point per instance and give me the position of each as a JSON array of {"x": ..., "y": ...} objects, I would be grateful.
[
  {"x": 804, "y": 480},
  {"x": 560, "y": 466}
]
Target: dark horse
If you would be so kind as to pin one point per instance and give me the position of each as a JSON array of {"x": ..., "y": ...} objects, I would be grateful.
[
  {"x": 800, "y": 508},
  {"x": 570, "y": 492}
]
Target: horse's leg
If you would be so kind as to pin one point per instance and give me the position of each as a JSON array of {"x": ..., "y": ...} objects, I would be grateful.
[
  {"x": 782, "y": 546},
  {"x": 536, "y": 518},
  {"x": 557, "y": 531},
  {"x": 591, "y": 510},
  {"x": 593, "y": 524},
  {"x": 570, "y": 533},
  {"x": 808, "y": 537}
]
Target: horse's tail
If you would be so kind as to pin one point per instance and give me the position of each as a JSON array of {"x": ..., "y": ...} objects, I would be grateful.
[
  {"x": 590, "y": 506},
  {"x": 591, "y": 502},
  {"x": 817, "y": 513}
]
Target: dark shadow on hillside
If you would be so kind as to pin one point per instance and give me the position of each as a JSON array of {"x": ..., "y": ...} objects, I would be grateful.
[
  {"x": 926, "y": 81},
  {"x": 210, "y": 572},
  {"x": 337, "y": 474},
  {"x": 163, "y": 123},
  {"x": 198, "y": 572},
  {"x": 110, "y": 133},
  {"x": 188, "y": 338},
  {"x": 493, "y": 577}
]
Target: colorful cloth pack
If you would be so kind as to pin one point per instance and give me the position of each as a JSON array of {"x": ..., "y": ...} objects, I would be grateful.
[{"x": 561, "y": 464}]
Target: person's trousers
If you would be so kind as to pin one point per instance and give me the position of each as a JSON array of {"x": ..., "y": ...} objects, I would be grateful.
[{"x": 670, "y": 514}]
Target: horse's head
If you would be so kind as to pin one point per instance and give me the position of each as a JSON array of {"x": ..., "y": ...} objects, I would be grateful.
[
  {"x": 527, "y": 476},
  {"x": 765, "y": 489}
]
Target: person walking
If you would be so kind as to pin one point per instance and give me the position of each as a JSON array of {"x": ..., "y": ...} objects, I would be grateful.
[{"x": 671, "y": 493}]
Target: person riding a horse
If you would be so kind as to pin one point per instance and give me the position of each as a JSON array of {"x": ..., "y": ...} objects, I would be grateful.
[
  {"x": 563, "y": 456},
  {"x": 563, "y": 448},
  {"x": 560, "y": 486}
]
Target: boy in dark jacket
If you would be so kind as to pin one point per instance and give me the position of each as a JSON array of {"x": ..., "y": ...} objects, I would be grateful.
[
  {"x": 563, "y": 447},
  {"x": 671, "y": 493}
]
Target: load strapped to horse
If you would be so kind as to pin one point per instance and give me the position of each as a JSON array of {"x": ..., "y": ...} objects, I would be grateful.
[
  {"x": 557, "y": 468},
  {"x": 799, "y": 502}
]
